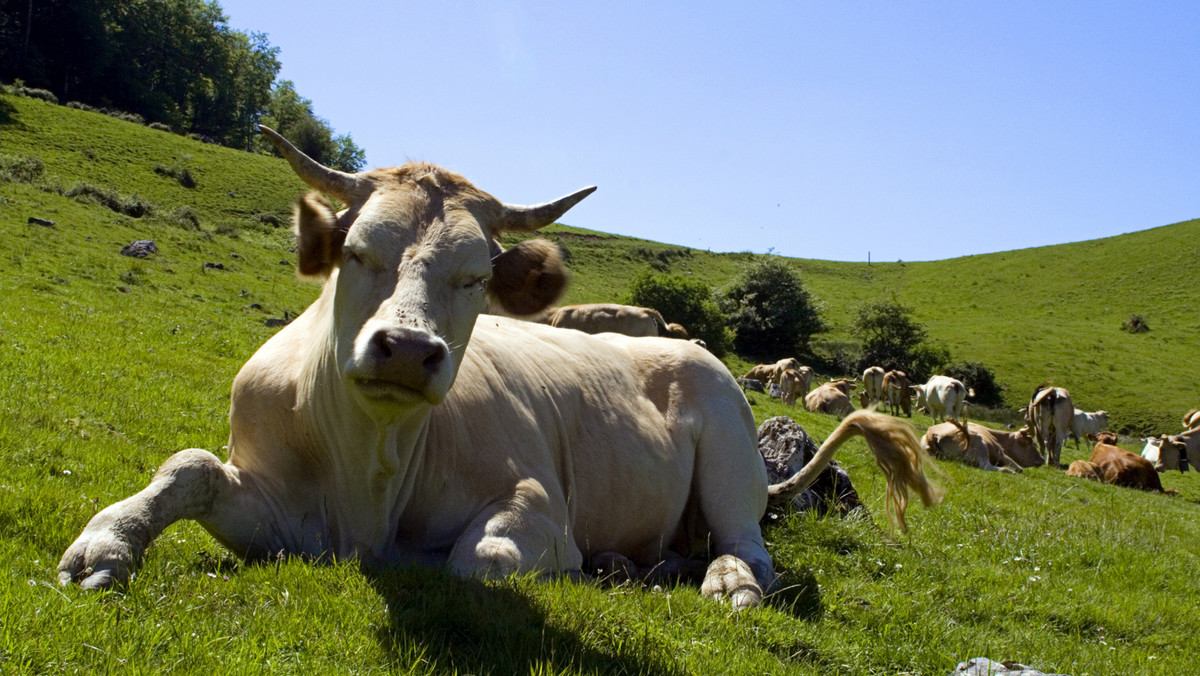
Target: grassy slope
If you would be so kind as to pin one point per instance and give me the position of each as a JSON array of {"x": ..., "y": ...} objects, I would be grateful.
[{"x": 112, "y": 363}]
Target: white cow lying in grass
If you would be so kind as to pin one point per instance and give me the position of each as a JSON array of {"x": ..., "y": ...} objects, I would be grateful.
[{"x": 394, "y": 423}]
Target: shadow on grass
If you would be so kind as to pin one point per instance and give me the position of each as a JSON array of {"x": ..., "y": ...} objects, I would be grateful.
[
  {"x": 7, "y": 115},
  {"x": 797, "y": 594},
  {"x": 469, "y": 626}
]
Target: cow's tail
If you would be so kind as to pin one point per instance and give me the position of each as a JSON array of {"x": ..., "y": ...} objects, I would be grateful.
[
  {"x": 960, "y": 421},
  {"x": 1191, "y": 419},
  {"x": 897, "y": 451},
  {"x": 658, "y": 321}
]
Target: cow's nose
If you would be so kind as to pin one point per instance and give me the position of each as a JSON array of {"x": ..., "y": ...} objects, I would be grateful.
[{"x": 405, "y": 356}]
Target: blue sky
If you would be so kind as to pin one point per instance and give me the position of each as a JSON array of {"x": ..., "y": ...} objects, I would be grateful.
[{"x": 832, "y": 130}]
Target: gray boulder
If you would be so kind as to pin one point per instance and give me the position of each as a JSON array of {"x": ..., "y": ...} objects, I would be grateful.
[{"x": 786, "y": 448}]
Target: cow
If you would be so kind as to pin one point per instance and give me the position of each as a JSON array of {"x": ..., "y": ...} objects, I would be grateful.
[
  {"x": 792, "y": 384},
  {"x": 896, "y": 393},
  {"x": 983, "y": 447},
  {"x": 1152, "y": 448},
  {"x": 1114, "y": 465},
  {"x": 832, "y": 397},
  {"x": 629, "y": 320},
  {"x": 1083, "y": 424},
  {"x": 942, "y": 397},
  {"x": 1191, "y": 419},
  {"x": 769, "y": 373},
  {"x": 1050, "y": 415},
  {"x": 394, "y": 423},
  {"x": 675, "y": 330},
  {"x": 872, "y": 391},
  {"x": 1177, "y": 451}
]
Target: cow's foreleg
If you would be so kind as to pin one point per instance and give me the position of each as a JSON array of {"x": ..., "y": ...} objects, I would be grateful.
[
  {"x": 528, "y": 532},
  {"x": 190, "y": 485}
]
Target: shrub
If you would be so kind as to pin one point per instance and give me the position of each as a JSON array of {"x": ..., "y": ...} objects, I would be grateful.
[
  {"x": 979, "y": 378},
  {"x": 134, "y": 205},
  {"x": 771, "y": 312},
  {"x": 159, "y": 126},
  {"x": 659, "y": 259},
  {"x": 891, "y": 338},
  {"x": 687, "y": 302},
  {"x": 181, "y": 174},
  {"x": 1135, "y": 324},
  {"x": 18, "y": 88},
  {"x": 78, "y": 105},
  {"x": 25, "y": 169},
  {"x": 186, "y": 218}
]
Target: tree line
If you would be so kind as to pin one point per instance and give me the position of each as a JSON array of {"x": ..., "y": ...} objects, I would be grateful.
[{"x": 172, "y": 62}]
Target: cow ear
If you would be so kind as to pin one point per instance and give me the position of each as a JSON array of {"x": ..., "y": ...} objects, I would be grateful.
[
  {"x": 318, "y": 237},
  {"x": 529, "y": 277}
]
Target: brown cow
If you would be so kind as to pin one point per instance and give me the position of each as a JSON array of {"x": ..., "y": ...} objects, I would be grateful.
[
  {"x": 1114, "y": 465},
  {"x": 897, "y": 393},
  {"x": 792, "y": 383},
  {"x": 986, "y": 448},
  {"x": 769, "y": 373},
  {"x": 833, "y": 397}
]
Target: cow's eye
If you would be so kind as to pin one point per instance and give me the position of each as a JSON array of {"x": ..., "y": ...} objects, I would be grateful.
[
  {"x": 477, "y": 283},
  {"x": 351, "y": 256}
]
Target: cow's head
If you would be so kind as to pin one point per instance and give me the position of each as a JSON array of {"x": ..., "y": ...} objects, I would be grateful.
[
  {"x": 411, "y": 262},
  {"x": 1172, "y": 454},
  {"x": 1109, "y": 438},
  {"x": 1023, "y": 449}
]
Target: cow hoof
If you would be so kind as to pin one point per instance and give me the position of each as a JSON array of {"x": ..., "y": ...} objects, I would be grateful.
[{"x": 730, "y": 578}]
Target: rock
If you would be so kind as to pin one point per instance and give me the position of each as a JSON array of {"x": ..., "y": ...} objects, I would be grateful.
[
  {"x": 750, "y": 385},
  {"x": 785, "y": 448},
  {"x": 34, "y": 220},
  {"x": 982, "y": 666},
  {"x": 775, "y": 391},
  {"x": 142, "y": 248},
  {"x": 214, "y": 266}
]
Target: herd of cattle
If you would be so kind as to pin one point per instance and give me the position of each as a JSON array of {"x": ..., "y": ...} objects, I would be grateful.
[
  {"x": 402, "y": 419},
  {"x": 1050, "y": 420}
]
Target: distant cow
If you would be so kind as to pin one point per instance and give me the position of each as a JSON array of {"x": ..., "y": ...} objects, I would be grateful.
[
  {"x": 1084, "y": 424},
  {"x": 833, "y": 397},
  {"x": 769, "y": 373},
  {"x": 942, "y": 397},
  {"x": 790, "y": 385},
  {"x": 1050, "y": 415},
  {"x": 986, "y": 448},
  {"x": 1179, "y": 450},
  {"x": 896, "y": 392},
  {"x": 1191, "y": 419},
  {"x": 1151, "y": 450},
  {"x": 872, "y": 391},
  {"x": 609, "y": 318},
  {"x": 1114, "y": 465}
]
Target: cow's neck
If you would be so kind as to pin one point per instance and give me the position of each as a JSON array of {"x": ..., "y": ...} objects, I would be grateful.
[{"x": 375, "y": 465}]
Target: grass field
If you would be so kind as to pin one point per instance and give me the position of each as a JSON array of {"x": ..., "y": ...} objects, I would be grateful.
[{"x": 112, "y": 363}]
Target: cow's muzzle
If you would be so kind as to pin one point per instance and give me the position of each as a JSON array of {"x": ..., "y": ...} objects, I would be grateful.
[{"x": 396, "y": 362}]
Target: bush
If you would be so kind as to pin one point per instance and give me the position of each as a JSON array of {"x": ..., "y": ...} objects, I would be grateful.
[
  {"x": 686, "y": 302},
  {"x": 186, "y": 218},
  {"x": 159, "y": 126},
  {"x": 77, "y": 105},
  {"x": 979, "y": 378},
  {"x": 24, "y": 169},
  {"x": 134, "y": 205},
  {"x": 1135, "y": 324},
  {"x": 181, "y": 174},
  {"x": 889, "y": 336},
  {"x": 18, "y": 88},
  {"x": 771, "y": 312},
  {"x": 659, "y": 259}
]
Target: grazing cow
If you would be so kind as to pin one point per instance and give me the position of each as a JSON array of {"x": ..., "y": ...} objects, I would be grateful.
[
  {"x": 983, "y": 447},
  {"x": 1050, "y": 415},
  {"x": 769, "y": 373},
  {"x": 609, "y": 318},
  {"x": 393, "y": 423},
  {"x": 1191, "y": 419},
  {"x": 942, "y": 397},
  {"x": 833, "y": 397},
  {"x": 1084, "y": 424},
  {"x": 896, "y": 393},
  {"x": 1114, "y": 465},
  {"x": 1179, "y": 450},
  {"x": 872, "y": 392}
]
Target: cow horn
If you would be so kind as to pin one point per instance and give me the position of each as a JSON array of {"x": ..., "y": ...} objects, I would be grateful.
[
  {"x": 345, "y": 187},
  {"x": 519, "y": 218}
]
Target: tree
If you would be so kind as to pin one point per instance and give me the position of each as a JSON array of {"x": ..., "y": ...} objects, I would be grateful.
[
  {"x": 292, "y": 116},
  {"x": 979, "y": 378},
  {"x": 889, "y": 336},
  {"x": 771, "y": 312},
  {"x": 687, "y": 302}
]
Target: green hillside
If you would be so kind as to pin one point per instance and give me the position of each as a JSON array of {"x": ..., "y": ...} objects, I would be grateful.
[{"x": 112, "y": 363}]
